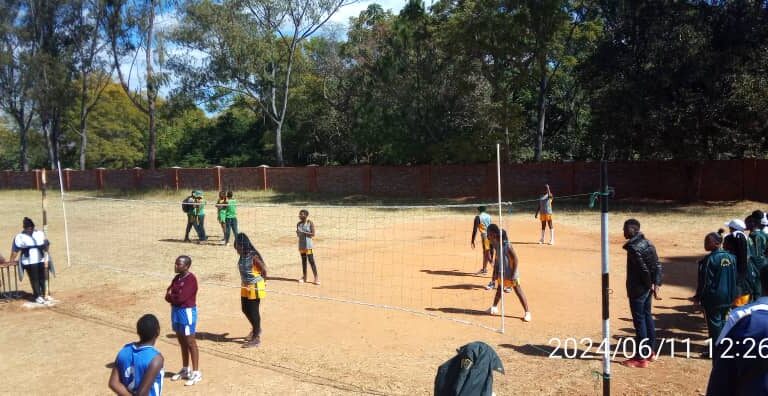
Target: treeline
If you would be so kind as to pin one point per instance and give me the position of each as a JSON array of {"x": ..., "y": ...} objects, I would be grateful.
[{"x": 254, "y": 82}]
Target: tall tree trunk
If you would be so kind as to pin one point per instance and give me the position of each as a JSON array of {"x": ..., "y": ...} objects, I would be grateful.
[
  {"x": 542, "y": 110},
  {"x": 83, "y": 115},
  {"x": 23, "y": 148},
  {"x": 151, "y": 89},
  {"x": 279, "y": 143}
]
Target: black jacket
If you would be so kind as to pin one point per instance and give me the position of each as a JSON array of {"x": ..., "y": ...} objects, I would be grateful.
[
  {"x": 469, "y": 373},
  {"x": 643, "y": 267}
]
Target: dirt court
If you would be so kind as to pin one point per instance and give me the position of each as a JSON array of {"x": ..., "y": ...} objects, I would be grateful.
[{"x": 398, "y": 296}]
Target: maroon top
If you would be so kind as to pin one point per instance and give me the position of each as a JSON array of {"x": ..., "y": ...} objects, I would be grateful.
[{"x": 183, "y": 291}]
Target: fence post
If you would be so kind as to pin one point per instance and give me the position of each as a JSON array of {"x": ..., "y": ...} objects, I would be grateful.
[
  {"x": 36, "y": 175},
  {"x": 100, "y": 179},
  {"x": 367, "y": 176},
  {"x": 176, "y": 181},
  {"x": 312, "y": 171},
  {"x": 264, "y": 183},
  {"x": 67, "y": 179},
  {"x": 218, "y": 178}
]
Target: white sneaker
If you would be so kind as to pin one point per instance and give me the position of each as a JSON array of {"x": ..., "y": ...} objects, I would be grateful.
[
  {"x": 181, "y": 374},
  {"x": 527, "y": 317},
  {"x": 507, "y": 290},
  {"x": 196, "y": 377},
  {"x": 552, "y": 242},
  {"x": 40, "y": 300},
  {"x": 48, "y": 298},
  {"x": 541, "y": 241},
  {"x": 493, "y": 310}
]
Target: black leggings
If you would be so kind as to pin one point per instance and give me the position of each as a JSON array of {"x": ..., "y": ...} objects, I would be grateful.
[
  {"x": 311, "y": 258},
  {"x": 36, "y": 274},
  {"x": 251, "y": 310}
]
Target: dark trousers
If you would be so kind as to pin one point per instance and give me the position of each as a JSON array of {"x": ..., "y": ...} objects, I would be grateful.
[
  {"x": 199, "y": 226},
  {"x": 251, "y": 310},
  {"x": 36, "y": 273},
  {"x": 715, "y": 317},
  {"x": 645, "y": 330},
  {"x": 230, "y": 225}
]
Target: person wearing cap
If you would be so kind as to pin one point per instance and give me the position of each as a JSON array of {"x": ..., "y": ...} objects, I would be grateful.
[
  {"x": 737, "y": 243},
  {"x": 481, "y": 223},
  {"x": 31, "y": 247}
]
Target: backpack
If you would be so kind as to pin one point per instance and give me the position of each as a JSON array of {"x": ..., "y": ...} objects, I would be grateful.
[
  {"x": 721, "y": 290},
  {"x": 469, "y": 373},
  {"x": 188, "y": 205}
]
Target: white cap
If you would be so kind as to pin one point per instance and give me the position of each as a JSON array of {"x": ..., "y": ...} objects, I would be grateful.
[
  {"x": 736, "y": 224},
  {"x": 764, "y": 220}
]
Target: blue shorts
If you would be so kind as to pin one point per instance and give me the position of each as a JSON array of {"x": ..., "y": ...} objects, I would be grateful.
[{"x": 184, "y": 320}]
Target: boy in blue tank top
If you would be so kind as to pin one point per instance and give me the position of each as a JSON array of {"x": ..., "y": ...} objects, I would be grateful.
[{"x": 138, "y": 368}]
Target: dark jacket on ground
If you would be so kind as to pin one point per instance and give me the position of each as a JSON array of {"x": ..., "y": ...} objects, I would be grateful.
[
  {"x": 643, "y": 267},
  {"x": 469, "y": 373}
]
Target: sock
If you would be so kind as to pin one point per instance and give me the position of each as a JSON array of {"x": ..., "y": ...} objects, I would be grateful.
[
  {"x": 552, "y": 235},
  {"x": 542, "y": 236}
]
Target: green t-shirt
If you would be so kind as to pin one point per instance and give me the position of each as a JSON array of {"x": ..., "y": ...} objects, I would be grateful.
[
  {"x": 231, "y": 209},
  {"x": 200, "y": 208}
]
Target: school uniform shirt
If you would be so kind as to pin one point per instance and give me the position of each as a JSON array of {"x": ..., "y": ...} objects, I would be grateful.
[
  {"x": 182, "y": 292},
  {"x": 231, "y": 209},
  {"x": 132, "y": 363},
  {"x": 545, "y": 204},
  {"x": 737, "y": 367},
  {"x": 30, "y": 246},
  {"x": 485, "y": 221},
  {"x": 305, "y": 241},
  {"x": 503, "y": 259}
]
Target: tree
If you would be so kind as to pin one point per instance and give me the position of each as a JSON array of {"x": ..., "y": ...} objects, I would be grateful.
[
  {"x": 132, "y": 28},
  {"x": 94, "y": 72},
  {"x": 16, "y": 74},
  {"x": 251, "y": 47}
]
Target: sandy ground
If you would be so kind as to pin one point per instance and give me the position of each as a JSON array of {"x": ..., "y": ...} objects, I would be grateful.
[{"x": 398, "y": 296}]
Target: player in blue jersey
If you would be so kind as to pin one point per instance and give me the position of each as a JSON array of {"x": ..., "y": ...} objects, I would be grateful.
[
  {"x": 138, "y": 368},
  {"x": 481, "y": 223}
]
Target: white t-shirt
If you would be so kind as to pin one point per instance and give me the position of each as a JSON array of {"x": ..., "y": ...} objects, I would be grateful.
[{"x": 23, "y": 241}]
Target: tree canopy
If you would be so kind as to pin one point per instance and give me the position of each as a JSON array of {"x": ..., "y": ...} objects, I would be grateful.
[{"x": 261, "y": 82}]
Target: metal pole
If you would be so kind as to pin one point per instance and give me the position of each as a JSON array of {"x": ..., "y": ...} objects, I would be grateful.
[
  {"x": 501, "y": 233},
  {"x": 44, "y": 190},
  {"x": 605, "y": 287},
  {"x": 64, "y": 212}
]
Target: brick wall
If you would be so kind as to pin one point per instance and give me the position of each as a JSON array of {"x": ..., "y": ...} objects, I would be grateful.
[{"x": 665, "y": 180}]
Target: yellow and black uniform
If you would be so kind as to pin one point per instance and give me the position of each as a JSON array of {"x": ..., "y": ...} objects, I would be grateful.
[
  {"x": 545, "y": 208},
  {"x": 252, "y": 290}
]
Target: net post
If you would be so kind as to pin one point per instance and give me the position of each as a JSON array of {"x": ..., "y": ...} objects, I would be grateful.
[
  {"x": 64, "y": 212},
  {"x": 501, "y": 232},
  {"x": 605, "y": 278}
]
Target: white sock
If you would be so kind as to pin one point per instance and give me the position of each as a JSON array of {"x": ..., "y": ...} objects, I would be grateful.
[
  {"x": 552, "y": 235},
  {"x": 542, "y": 235}
]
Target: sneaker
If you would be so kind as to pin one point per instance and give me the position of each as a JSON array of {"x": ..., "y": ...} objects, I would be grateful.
[
  {"x": 196, "y": 377},
  {"x": 551, "y": 242},
  {"x": 541, "y": 241},
  {"x": 490, "y": 286},
  {"x": 493, "y": 310},
  {"x": 48, "y": 298},
  {"x": 301, "y": 280},
  {"x": 181, "y": 374},
  {"x": 482, "y": 272},
  {"x": 40, "y": 300},
  {"x": 636, "y": 363},
  {"x": 316, "y": 282},
  {"x": 507, "y": 290},
  {"x": 254, "y": 342},
  {"x": 653, "y": 357},
  {"x": 527, "y": 317}
]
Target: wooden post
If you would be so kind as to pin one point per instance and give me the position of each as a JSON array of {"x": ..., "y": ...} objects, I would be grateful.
[{"x": 36, "y": 175}]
